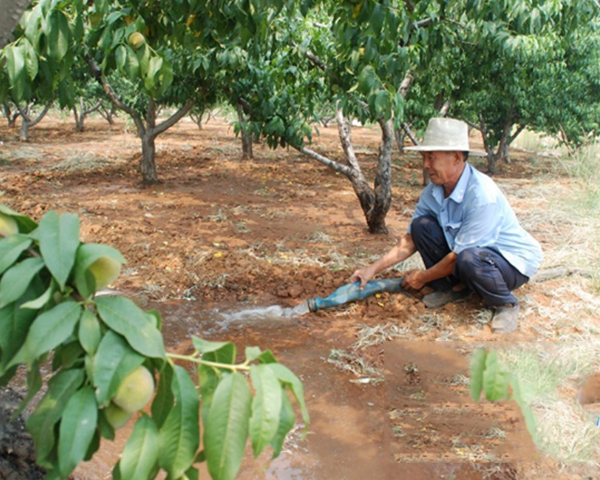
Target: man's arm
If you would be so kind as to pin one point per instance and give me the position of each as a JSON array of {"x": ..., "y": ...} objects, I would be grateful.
[
  {"x": 417, "y": 279},
  {"x": 400, "y": 252}
]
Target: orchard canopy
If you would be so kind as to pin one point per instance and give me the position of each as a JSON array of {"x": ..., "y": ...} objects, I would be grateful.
[{"x": 501, "y": 66}]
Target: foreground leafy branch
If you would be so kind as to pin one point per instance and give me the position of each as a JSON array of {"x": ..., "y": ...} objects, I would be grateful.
[
  {"x": 489, "y": 376},
  {"x": 108, "y": 360}
]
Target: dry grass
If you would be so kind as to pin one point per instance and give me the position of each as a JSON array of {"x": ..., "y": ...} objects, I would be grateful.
[{"x": 550, "y": 373}]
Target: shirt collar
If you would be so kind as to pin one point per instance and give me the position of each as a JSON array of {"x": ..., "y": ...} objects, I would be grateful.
[{"x": 458, "y": 194}]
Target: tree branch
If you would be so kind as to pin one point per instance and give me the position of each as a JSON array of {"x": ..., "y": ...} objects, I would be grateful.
[
  {"x": 344, "y": 134},
  {"x": 42, "y": 114},
  {"x": 113, "y": 97},
  {"x": 474, "y": 125},
  {"x": 316, "y": 60},
  {"x": 338, "y": 167},
  {"x": 173, "y": 119}
]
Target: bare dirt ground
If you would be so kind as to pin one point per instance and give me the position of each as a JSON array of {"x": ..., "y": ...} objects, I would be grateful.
[{"x": 222, "y": 234}]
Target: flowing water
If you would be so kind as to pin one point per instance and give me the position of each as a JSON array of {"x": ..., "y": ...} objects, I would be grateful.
[{"x": 266, "y": 314}]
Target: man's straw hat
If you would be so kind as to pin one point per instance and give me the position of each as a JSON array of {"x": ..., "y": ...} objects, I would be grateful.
[{"x": 446, "y": 135}]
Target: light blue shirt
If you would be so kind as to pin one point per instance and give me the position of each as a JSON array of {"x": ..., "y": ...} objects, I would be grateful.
[{"x": 477, "y": 214}]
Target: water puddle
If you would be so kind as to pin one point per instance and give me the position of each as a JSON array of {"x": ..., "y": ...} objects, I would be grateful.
[{"x": 350, "y": 435}]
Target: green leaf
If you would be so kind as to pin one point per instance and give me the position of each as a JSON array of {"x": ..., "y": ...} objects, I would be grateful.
[
  {"x": 164, "y": 398},
  {"x": 477, "y": 369},
  {"x": 495, "y": 380},
  {"x": 48, "y": 412},
  {"x": 31, "y": 59},
  {"x": 519, "y": 397},
  {"x": 49, "y": 330},
  {"x": 131, "y": 65},
  {"x": 266, "y": 357},
  {"x": 287, "y": 377},
  {"x": 143, "y": 55},
  {"x": 226, "y": 349},
  {"x": 43, "y": 299},
  {"x": 287, "y": 420},
  {"x": 192, "y": 474},
  {"x": 11, "y": 249},
  {"x": 377, "y": 18},
  {"x": 68, "y": 355},
  {"x": 252, "y": 353},
  {"x": 164, "y": 78},
  {"x": 14, "y": 325},
  {"x": 25, "y": 223},
  {"x": 266, "y": 407},
  {"x": 154, "y": 65},
  {"x": 34, "y": 385},
  {"x": 16, "y": 279},
  {"x": 77, "y": 428},
  {"x": 58, "y": 236},
  {"x": 113, "y": 361},
  {"x": 121, "y": 57},
  {"x": 126, "y": 318},
  {"x": 179, "y": 437},
  {"x": 15, "y": 63},
  {"x": 140, "y": 455},
  {"x": 59, "y": 35},
  {"x": 226, "y": 427},
  {"x": 208, "y": 380},
  {"x": 89, "y": 333}
]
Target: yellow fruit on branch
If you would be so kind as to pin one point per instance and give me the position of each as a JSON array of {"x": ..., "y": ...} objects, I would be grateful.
[
  {"x": 116, "y": 416},
  {"x": 136, "y": 40},
  {"x": 8, "y": 225},
  {"x": 135, "y": 391},
  {"x": 105, "y": 271}
]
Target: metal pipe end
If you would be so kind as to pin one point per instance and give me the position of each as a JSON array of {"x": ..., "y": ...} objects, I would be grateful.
[{"x": 312, "y": 304}]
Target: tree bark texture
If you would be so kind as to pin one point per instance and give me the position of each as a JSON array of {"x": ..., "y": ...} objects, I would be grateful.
[
  {"x": 375, "y": 203},
  {"x": 147, "y": 162},
  {"x": 12, "y": 11},
  {"x": 82, "y": 113},
  {"x": 27, "y": 122},
  {"x": 406, "y": 131},
  {"x": 246, "y": 137},
  {"x": 502, "y": 149},
  {"x": 108, "y": 114},
  {"x": 11, "y": 117}
]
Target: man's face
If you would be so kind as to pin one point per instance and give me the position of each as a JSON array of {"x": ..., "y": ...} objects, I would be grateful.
[{"x": 443, "y": 167}]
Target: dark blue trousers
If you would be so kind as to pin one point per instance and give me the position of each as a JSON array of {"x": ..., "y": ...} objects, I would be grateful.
[{"x": 482, "y": 270}]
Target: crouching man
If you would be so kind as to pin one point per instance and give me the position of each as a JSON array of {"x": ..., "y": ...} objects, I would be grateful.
[{"x": 465, "y": 230}]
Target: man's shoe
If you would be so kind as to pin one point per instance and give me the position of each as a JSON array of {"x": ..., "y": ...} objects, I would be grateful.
[
  {"x": 439, "y": 299},
  {"x": 505, "y": 318}
]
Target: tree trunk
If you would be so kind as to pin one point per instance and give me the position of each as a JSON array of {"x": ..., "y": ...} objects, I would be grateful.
[
  {"x": 24, "y": 133},
  {"x": 78, "y": 119},
  {"x": 12, "y": 11},
  {"x": 108, "y": 115},
  {"x": 374, "y": 203},
  {"x": 147, "y": 163},
  {"x": 197, "y": 119},
  {"x": 11, "y": 117},
  {"x": 84, "y": 111},
  {"x": 400, "y": 136},
  {"x": 27, "y": 123},
  {"x": 246, "y": 137},
  {"x": 383, "y": 181}
]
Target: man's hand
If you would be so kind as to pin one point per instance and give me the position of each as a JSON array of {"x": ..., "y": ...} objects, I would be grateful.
[
  {"x": 414, "y": 280},
  {"x": 363, "y": 275}
]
